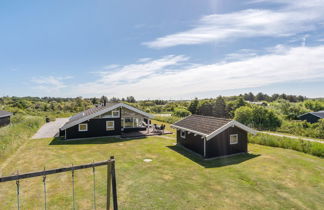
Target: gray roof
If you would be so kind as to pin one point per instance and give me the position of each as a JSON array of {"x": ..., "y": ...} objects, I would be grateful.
[
  {"x": 202, "y": 124},
  {"x": 98, "y": 110},
  {"x": 319, "y": 114},
  {"x": 5, "y": 114}
]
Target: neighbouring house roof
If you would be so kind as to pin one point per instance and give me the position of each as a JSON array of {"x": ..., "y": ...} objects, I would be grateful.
[
  {"x": 5, "y": 114},
  {"x": 97, "y": 111},
  {"x": 208, "y": 126},
  {"x": 319, "y": 114}
]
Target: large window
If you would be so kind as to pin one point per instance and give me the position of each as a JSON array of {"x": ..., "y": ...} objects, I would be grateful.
[
  {"x": 233, "y": 138},
  {"x": 110, "y": 125},
  {"x": 129, "y": 122},
  {"x": 83, "y": 127}
]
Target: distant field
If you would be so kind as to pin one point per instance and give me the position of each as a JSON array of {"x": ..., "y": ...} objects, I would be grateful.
[{"x": 267, "y": 178}]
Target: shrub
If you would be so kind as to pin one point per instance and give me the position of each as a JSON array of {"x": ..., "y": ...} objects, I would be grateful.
[
  {"x": 181, "y": 112},
  {"x": 170, "y": 120},
  {"x": 313, "y": 148},
  {"x": 257, "y": 117}
]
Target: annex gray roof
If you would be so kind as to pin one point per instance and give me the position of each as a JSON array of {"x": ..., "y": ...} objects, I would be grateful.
[
  {"x": 5, "y": 114},
  {"x": 99, "y": 110},
  {"x": 208, "y": 126},
  {"x": 319, "y": 114}
]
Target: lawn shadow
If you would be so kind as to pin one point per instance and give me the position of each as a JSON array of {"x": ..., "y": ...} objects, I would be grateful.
[
  {"x": 98, "y": 140},
  {"x": 213, "y": 163}
]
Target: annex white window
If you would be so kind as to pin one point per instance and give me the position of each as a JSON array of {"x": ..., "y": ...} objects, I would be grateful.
[
  {"x": 110, "y": 125},
  {"x": 183, "y": 134},
  {"x": 83, "y": 127},
  {"x": 233, "y": 138}
]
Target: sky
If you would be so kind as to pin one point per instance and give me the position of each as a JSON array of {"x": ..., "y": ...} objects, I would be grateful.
[{"x": 161, "y": 49}]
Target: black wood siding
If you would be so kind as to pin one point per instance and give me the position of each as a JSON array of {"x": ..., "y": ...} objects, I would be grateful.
[
  {"x": 96, "y": 128},
  {"x": 309, "y": 118},
  {"x": 220, "y": 144},
  {"x": 194, "y": 143},
  {"x": 4, "y": 121}
]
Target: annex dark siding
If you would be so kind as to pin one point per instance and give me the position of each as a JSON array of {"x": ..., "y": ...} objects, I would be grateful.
[
  {"x": 4, "y": 121},
  {"x": 220, "y": 144},
  {"x": 309, "y": 118},
  {"x": 96, "y": 128},
  {"x": 192, "y": 142}
]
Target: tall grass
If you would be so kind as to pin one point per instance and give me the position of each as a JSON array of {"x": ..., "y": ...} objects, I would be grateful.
[
  {"x": 308, "y": 147},
  {"x": 13, "y": 136}
]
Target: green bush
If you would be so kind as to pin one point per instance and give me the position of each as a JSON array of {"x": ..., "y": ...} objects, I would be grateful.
[
  {"x": 21, "y": 129},
  {"x": 170, "y": 120},
  {"x": 181, "y": 112},
  {"x": 303, "y": 128},
  {"x": 257, "y": 117},
  {"x": 313, "y": 148}
]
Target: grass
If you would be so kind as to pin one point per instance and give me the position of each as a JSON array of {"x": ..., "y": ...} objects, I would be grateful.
[
  {"x": 299, "y": 136},
  {"x": 266, "y": 178},
  {"x": 19, "y": 131},
  {"x": 313, "y": 148}
]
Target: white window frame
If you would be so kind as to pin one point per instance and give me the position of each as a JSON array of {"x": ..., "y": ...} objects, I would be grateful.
[
  {"x": 182, "y": 134},
  {"x": 114, "y": 111},
  {"x": 232, "y": 141},
  {"x": 80, "y": 130},
  {"x": 111, "y": 115},
  {"x": 110, "y": 128}
]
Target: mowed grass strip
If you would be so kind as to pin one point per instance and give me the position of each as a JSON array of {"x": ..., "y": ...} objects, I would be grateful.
[{"x": 266, "y": 178}]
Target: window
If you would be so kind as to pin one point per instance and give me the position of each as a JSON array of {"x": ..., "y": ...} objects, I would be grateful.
[
  {"x": 234, "y": 139},
  {"x": 111, "y": 114},
  {"x": 128, "y": 122},
  {"x": 110, "y": 125},
  {"x": 183, "y": 134},
  {"x": 83, "y": 127},
  {"x": 115, "y": 113}
]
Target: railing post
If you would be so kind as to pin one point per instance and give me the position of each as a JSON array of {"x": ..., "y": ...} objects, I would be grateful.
[
  {"x": 108, "y": 183},
  {"x": 114, "y": 183}
]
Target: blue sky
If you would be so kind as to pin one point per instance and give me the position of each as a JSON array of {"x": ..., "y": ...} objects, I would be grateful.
[{"x": 161, "y": 49}]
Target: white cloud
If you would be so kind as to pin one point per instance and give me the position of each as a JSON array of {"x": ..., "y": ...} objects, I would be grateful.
[
  {"x": 169, "y": 78},
  {"x": 50, "y": 84},
  {"x": 292, "y": 18}
]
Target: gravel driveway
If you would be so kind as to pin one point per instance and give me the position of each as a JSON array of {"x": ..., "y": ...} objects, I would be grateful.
[{"x": 50, "y": 129}]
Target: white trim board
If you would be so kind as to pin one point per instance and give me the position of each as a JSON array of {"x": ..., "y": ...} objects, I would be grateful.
[{"x": 69, "y": 125}]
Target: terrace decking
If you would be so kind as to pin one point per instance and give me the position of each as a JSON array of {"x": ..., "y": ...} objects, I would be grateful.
[{"x": 143, "y": 133}]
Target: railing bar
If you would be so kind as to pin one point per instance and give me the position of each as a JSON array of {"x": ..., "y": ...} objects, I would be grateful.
[{"x": 52, "y": 171}]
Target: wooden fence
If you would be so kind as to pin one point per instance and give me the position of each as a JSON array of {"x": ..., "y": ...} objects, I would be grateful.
[{"x": 111, "y": 181}]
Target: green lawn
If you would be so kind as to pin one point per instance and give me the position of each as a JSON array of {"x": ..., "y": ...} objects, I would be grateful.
[{"x": 266, "y": 178}]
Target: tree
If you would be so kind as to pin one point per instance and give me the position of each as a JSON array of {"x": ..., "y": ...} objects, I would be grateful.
[
  {"x": 258, "y": 117},
  {"x": 244, "y": 115},
  {"x": 193, "y": 107},
  {"x": 219, "y": 107},
  {"x": 104, "y": 100},
  {"x": 205, "y": 108},
  {"x": 130, "y": 99},
  {"x": 231, "y": 106}
]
